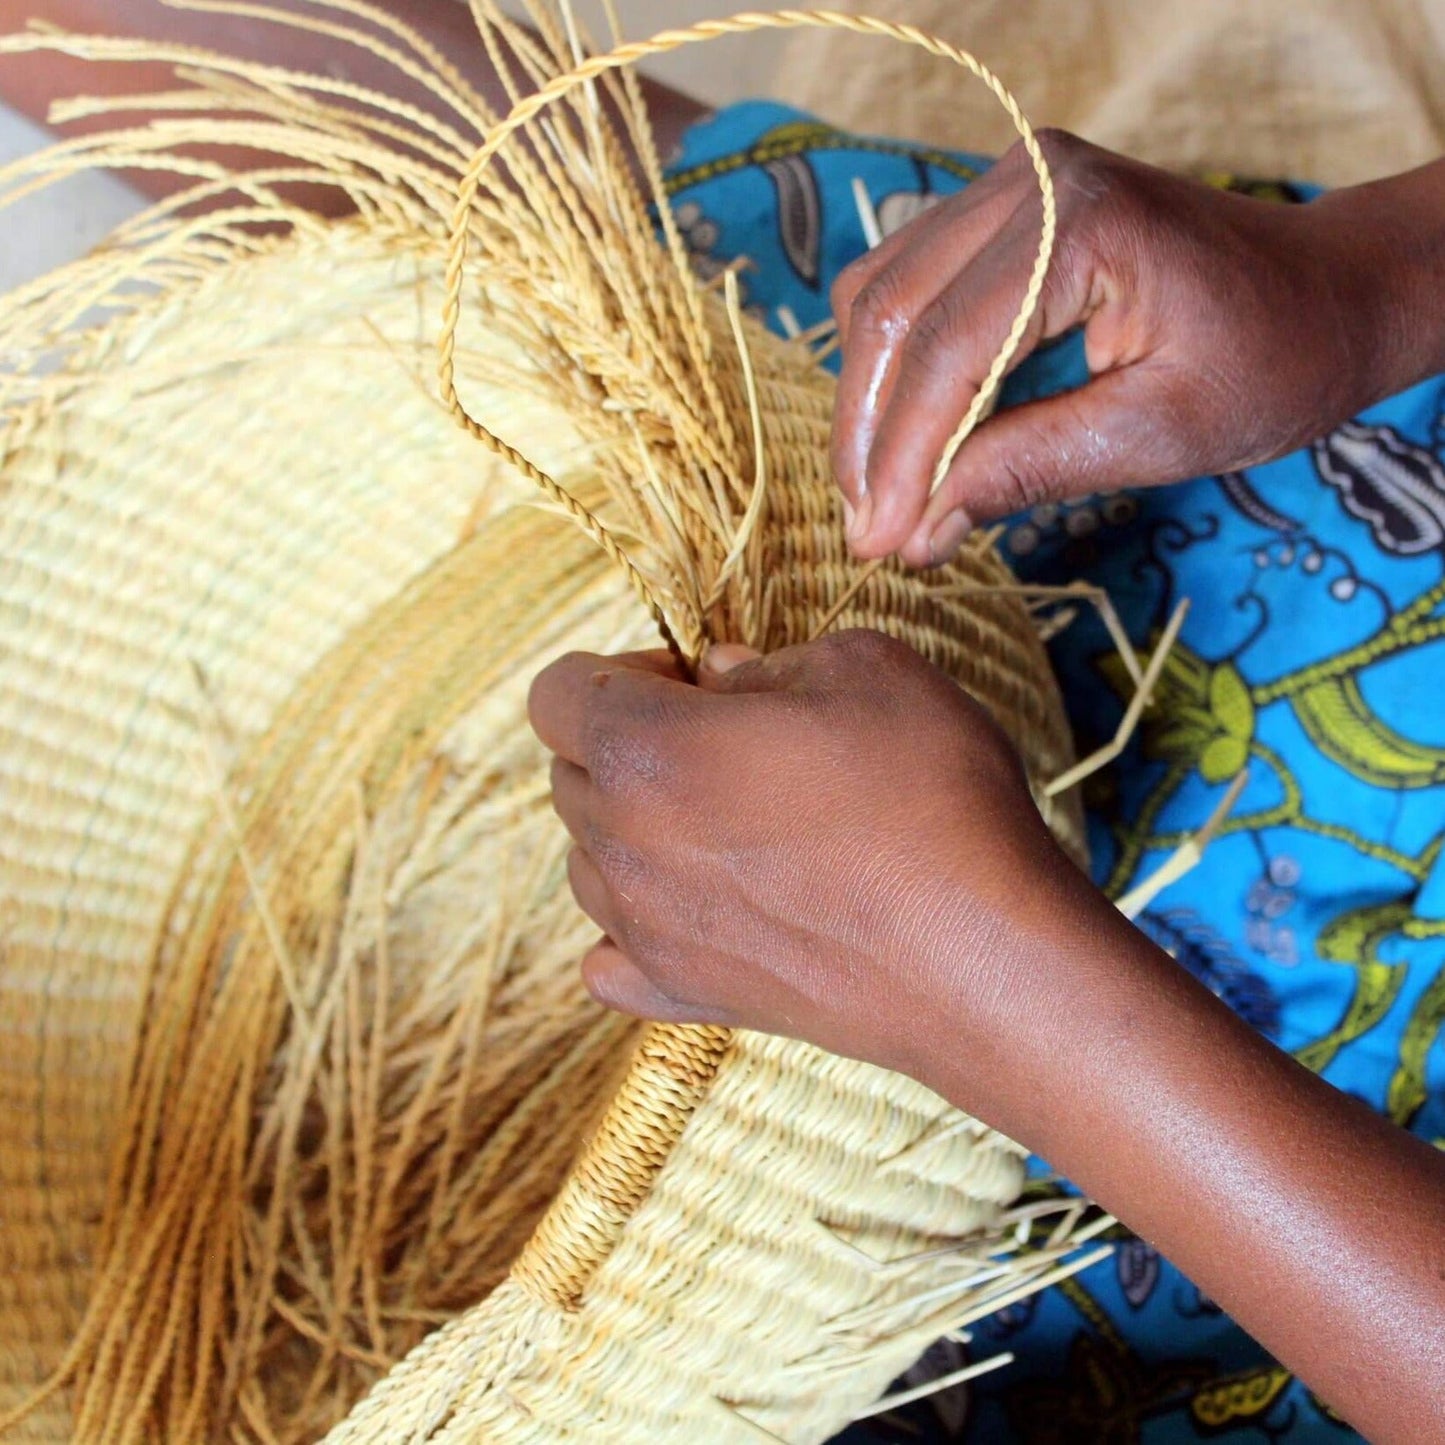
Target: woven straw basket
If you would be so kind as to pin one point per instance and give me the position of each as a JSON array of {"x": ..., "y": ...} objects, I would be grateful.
[{"x": 296, "y": 1065}]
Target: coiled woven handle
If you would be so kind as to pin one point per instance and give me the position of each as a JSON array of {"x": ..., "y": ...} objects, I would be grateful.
[{"x": 675, "y": 1064}]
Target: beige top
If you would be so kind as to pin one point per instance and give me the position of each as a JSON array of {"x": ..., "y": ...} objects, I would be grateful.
[{"x": 1334, "y": 91}]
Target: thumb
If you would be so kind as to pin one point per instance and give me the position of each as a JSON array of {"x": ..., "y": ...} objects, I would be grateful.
[
  {"x": 617, "y": 983},
  {"x": 719, "y": 661},
  {"x": 1119, "y": 430}
]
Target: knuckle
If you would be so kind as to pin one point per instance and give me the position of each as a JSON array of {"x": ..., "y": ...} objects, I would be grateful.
[
  {"x": 650, "y": 952},
  {"x": 622, "y": 761},
  {"x": 934, "y": 340},
  {"x": 847, "y": 284},
  {"x": 1067, "y": 153},
  {"x": 863, "y": 649},
  {"x": 1017, "y": 164},
  {"x": 1063, "y": 150},
  {"x": 641, "y": 746},
  {"x": 592, "y": 840},
  {"x": 1007, "y": 172},
  {"x": 1086, "y": 178},
  {"x": 672, "y": 971},
  {"x": 621, "y": 866},
  {"x": 560, "y": 778},
  {"x": 541, "y": 685},
  {"x": 581, "y": 882},
  {"x": 1021, "y": 484},
  {"x": 879, "y": 308}
]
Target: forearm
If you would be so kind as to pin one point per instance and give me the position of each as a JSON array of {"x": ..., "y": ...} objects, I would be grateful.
[
  {"x": 32, "y": 85},
  {"x": 1318, "y": 1225}
]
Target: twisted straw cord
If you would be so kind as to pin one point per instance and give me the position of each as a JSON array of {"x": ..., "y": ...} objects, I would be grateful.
[
  {"x": 629, "y": 54},
  {"x": 583, "y": 515}
]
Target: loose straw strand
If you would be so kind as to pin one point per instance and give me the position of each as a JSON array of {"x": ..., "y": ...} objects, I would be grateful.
[{"x": 629, "y": 54}]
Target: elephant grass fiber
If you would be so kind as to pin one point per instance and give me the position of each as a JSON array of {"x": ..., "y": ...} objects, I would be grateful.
[{"x": 306, "y": 1122}]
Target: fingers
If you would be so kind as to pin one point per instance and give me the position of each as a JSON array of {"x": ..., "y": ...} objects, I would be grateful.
[
  {"x": 557, "y": 704},
  {"x": 612, "y": 715},
  {"x": 592, "y": 893},
  {"x": 936, "y": 231},
  {"x": 943, "y": 362},
  {"x": 879, "y": 298},
  {"x": 1119, "y": 431},
  {"x": 611, "y": 977},
  {"x": 720, "y": 661},
  {"x": 940, "y": 233},
  {"x": 839, "y": 664},
  {"x": 736, "y": 670},
  {"x": 568, "y": 698},
  {"x": 575, "y": 801}
]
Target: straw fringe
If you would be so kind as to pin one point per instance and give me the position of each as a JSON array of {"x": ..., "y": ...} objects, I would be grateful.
[{"x": 348, "y": 1065}]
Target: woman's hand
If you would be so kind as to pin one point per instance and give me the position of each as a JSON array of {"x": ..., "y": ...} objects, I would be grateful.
[
  {"x": 833, "y": 842},
  {"x": 1220, "y": 332}
]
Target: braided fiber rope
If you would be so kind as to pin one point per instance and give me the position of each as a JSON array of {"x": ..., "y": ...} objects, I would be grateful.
[{"x": 677, "y": 1063}]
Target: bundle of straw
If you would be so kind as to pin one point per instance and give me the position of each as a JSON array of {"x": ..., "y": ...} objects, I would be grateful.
[{"x": 297, "y": 1066}]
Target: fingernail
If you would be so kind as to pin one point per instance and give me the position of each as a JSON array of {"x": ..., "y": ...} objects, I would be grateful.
[
  {"x": 861, "y": 520},
  {"x": 948, "y": 536},
  {"x": 848, "y": 515},
  {"x": 725, "y": 656}
]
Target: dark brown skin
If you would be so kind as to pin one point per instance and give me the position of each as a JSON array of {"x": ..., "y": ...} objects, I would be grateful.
[
  {"x": 1221, "y": 332},
  {"x": 835, "y": 843}
]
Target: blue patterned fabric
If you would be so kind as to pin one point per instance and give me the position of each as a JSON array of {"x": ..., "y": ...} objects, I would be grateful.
[{"x": 1312, "y": 655}]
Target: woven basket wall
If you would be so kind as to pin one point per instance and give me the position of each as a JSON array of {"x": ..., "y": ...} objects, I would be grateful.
[{"x": 285, "y": 912}]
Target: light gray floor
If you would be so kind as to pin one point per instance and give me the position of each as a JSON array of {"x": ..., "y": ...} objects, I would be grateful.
[{"x": 59, "y": 224}]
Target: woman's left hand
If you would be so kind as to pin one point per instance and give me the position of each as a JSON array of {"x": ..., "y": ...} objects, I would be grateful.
[{"x": 834, "y": 842}]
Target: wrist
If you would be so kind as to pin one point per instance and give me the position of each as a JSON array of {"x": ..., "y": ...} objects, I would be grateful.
[
  {"x": 1383, "y": 247},
  {"x": 1032, "y": 959}
]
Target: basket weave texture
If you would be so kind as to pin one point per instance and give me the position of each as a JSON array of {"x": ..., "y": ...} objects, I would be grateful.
[{"x": 296, "y": 1063}]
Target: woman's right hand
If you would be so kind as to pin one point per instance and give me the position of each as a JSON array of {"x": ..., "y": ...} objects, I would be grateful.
[{"x": 1221, "y": 331}]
